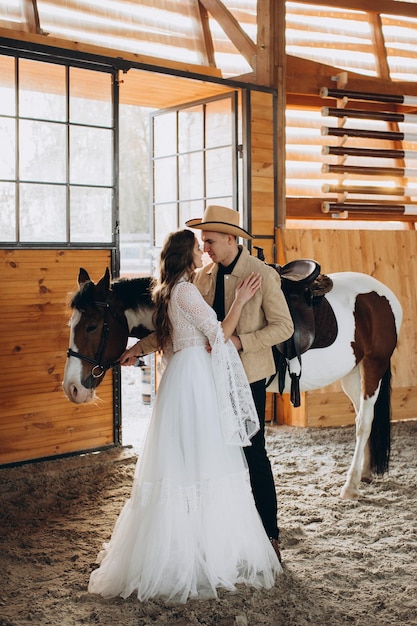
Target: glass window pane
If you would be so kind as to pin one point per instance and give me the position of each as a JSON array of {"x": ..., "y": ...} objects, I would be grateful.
[
  {"x": 191, "y": 129},
  {"x": 7, "y": 213},
  {"x": 7, "y": 86},
  {"x": 191, "y": 175},
  {"x": 91, "y": 100},
  {"x": 8, "y": 148},
  {"x": 42, "y": 90},
  {"x": 165, "y": 222},
  {"x": 42, "y": 154},
  {"x": 91, "y": 215},
  {"x": 42, "y": 213},
  {"x": 189, "y": 211},
  {"x": 219, "y": 172},
  {"x": 219, "y": 123},
  {"x": 165, "y": 177},
  {"x": 226, "y": 201},
  {"x": 91, "y": 160},
  {"x": 165, "y": 135}
]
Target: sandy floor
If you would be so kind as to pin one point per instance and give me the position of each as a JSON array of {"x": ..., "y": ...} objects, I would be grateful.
[{"x": 344, "y": 562}]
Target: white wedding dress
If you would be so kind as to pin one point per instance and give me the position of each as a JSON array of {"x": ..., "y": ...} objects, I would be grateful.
[{"x": 191, "y": 525}]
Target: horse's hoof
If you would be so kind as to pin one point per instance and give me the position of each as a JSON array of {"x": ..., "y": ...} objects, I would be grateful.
[
  {"x": 366, "y": 479},
  {"x": 349, "y": 494}
]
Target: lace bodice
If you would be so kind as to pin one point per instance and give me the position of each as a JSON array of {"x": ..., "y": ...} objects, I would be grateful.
[
  {"x": 193, "y": 320},
  {"x": 193, "y": 323}
]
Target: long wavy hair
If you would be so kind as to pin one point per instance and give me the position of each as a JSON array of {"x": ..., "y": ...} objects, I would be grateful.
[{"x": 176, "y": 260}]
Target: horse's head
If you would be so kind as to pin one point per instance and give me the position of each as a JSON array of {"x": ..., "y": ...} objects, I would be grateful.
[{"x": 98, "y": 336}]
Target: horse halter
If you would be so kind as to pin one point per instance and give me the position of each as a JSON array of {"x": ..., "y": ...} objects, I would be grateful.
[{"x": 99, "y": 369}]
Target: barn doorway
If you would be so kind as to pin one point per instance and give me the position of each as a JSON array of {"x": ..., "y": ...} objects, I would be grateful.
[{"x": 194, "y": 161}]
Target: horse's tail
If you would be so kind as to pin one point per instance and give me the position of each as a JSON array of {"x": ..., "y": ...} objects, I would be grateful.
[{"x": 380, "y": 438}]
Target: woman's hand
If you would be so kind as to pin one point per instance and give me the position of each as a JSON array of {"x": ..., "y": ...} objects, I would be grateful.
[
  {"x": 246, "y": 289},
  {"x": 129, "y": 357}
]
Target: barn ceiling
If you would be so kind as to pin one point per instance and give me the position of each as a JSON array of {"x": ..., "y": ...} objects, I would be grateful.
[{"x": 364, "y": 36}]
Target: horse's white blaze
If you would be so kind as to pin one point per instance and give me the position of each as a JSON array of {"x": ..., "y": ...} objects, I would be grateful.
[{"x": 71, "y": 383}]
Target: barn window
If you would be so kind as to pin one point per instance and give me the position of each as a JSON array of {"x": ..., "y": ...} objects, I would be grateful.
[
  {"x": 57, "y": 174},
  {"x": 194, "y": 159}
]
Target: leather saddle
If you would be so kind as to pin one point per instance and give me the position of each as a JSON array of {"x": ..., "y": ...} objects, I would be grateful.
[{"x": 315, "y": 324}]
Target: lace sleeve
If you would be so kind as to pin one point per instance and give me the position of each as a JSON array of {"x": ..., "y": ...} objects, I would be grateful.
[
  {"x": 196, "y": 310},
  {"x": 237, "y": 410}
]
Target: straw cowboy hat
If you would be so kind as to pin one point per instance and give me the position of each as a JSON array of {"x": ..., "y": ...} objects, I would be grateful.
[{"x": 219, "y": 219}]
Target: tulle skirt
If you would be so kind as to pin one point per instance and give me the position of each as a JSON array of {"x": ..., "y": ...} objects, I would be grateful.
[{"x": 190, "y": 525}]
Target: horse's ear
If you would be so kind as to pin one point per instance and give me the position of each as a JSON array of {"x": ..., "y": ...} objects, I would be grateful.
[
  {"x": 83, "y": 276},
  {"x": 104, "y": 282}
]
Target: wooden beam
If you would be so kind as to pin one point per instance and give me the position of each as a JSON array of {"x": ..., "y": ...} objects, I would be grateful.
[
  {"x": 266, "y": 56},
  {"x": 281, "y": 118},
  {"x": 311, "y": 209},
  {"x": 208, "y": 40},
  {"x": 30, "y": 10},
  {"x": 109, "y": 53},
  {"x": 305, "y": 77},
  {"x": 232, "y": 28},
  {"x": 380, "y": 51}
]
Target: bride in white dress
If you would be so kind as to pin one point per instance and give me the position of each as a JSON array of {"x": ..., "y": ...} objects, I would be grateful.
[{"x": 191, "y": 525}]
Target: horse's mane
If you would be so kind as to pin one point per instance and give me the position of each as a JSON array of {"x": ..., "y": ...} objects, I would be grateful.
[{"x": 134, "y": 292}]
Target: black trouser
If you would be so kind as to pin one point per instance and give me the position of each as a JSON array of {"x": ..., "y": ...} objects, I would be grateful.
[{"x": 260, "y": 471}]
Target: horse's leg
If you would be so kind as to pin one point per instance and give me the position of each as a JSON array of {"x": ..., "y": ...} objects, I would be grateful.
[
  {"x": 374, "y": 342},
  {"x": 360, "y": 468},
  {"x": 357, "y": 469},
  {"x": 351, "y": 385}
]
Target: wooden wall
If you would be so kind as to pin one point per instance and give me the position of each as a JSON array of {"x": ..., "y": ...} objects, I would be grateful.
[
  {"x": 262, "y": 186},
  {"x": 390, "y": 256},
  {"x": 36, "y": 419}
]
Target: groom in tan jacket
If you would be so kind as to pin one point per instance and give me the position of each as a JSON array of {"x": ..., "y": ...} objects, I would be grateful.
[{"x": 264, "y": 322}]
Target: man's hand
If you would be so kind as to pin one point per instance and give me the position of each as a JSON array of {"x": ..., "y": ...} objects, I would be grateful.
[{"x": 236, "y": 342}]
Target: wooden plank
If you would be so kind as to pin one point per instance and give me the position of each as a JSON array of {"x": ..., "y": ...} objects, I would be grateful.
[
  {"x": 262, "y": 126},
  {"x": 328, "y": 409},
  {"x": 287, "y": 414},
  {"x": 269, "y": 408},
  {"x": 263, "y": 170},
  {"x": 263, "y": 228},
  {"x": 335, "y": 409},
  {"x": 44, "y": 428},
  {"x": 17, "y": 401},
  {"x": 263, "y": 184}
]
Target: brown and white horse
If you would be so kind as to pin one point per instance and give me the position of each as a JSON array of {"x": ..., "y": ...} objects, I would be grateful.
[{"x": 368, "y": 317}]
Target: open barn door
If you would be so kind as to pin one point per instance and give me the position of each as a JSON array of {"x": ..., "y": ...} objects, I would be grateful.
[
  {"x": 195, "y": 162},
  {"x": 194, "y": 155}
]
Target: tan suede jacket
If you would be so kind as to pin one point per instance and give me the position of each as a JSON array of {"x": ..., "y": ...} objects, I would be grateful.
[{"x": 265, "y": 320}]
